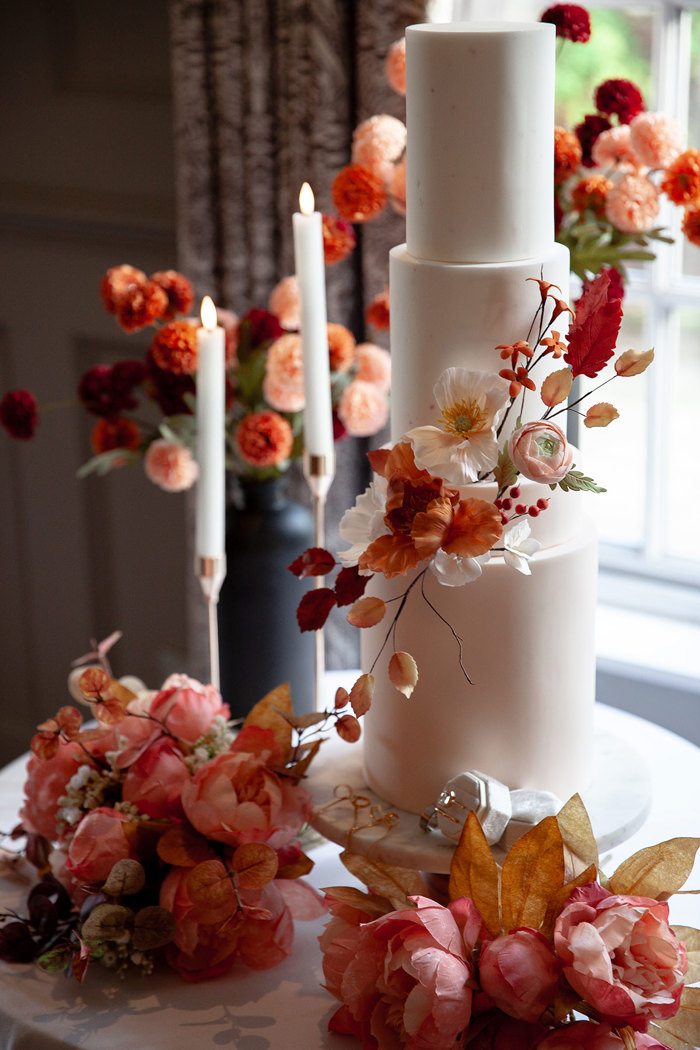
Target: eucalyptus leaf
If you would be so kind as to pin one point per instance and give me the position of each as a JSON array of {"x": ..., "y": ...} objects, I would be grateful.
[
  {"x": 126, "y": 877},
  {"x": 154, "y": 927},
  {"x": 107, "y": 922}
]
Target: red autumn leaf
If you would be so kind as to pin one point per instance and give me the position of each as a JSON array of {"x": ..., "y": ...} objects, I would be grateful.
[
  {"x": 315, "y": 561},
  {"x": 94, "y": 683},
  {"x": 593, "y": 332},
  {"x": 314, "y": 607},
  {"x": 348, "y": 728},
  {"x": 349, "y": 585}
]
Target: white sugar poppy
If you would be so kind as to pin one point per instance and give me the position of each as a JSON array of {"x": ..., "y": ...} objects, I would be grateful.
[
  {"x": 453, "y": 571},
  {"x": 519, "y": 547},
  {"x": 463, "y": 444},
  {"x": 363, "y": 523}
]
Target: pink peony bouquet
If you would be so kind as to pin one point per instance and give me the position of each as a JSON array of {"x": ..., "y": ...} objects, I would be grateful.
[
  {"x": 264, "y": 380},
  {"x": 544, "y": 953},
  {"x": 160, "y": 830}
]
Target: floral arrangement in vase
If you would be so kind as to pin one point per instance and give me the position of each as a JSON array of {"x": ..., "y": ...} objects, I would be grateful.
[{"x": 264, "y": 380}]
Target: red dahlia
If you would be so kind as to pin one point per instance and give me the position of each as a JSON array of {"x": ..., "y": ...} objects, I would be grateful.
[
  {"x": 18, "y": 414},
  {"x": 572, "y": 22},
  {"x": 260, "y": 327},
  {"x": 587, "y": 132},
  {"x": 107, "y": 390},
  {"x": 621, "y": 97}
]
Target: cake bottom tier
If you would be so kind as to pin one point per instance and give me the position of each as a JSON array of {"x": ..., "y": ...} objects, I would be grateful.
[{"x": 529, "y": 649}]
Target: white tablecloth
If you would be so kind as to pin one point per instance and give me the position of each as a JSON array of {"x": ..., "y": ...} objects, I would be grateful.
[{"x": 284, "y": 1008}]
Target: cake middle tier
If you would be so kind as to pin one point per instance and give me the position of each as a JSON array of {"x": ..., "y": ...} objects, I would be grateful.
[{"x": 447, "y": 315}]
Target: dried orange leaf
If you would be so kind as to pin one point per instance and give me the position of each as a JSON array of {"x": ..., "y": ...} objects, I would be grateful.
[
  {"x": 559, "y": 899},
  {"x": 387, "y": 880},
  {"x": 298, "y": 769},
  {"x": 348, "y": 728},
  {"x": 372, "y": 904},
  {"x": 665, "y": 1038},
  {"x": 107, "y": 922},
  {"x": 311, "y": 718},
  {"x": 580, "y": 846},
  {"x": 686, "y": 1023},
  {"x": 474, "y": 874},
  {"x": 183, "y": 847},
  {"x": 633, "y": 362},
  {"x": 109, "y": 712},
  {"x": 532, "y": 873},
  {"x": 94, "y": 683},
  {"x": 657, "y": 871},
  {"x": 126, "y": 877},
  {"x": 266, "y": 714},
  {"x": 341, "y": 697},
  {"x": 44, "y": 745},
  {"x": 301, "y": 866},
  {"x": 255, "y": 864},
  {"x": 361, "y": 694},
  {"x": 557, "y": 387},
  {"x": 403, "y": 673},
  {"x": 209, "y": 884},
  {"x": 600, "y": 415},
  {"x": 69, "y": 719},
  {"x": 367, "y": 611},
  {"x": 120, "y": 692}
]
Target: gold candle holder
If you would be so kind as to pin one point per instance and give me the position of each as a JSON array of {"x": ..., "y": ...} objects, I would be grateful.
[
  {"x": 319, "y": 472},
  {"x": 211, "y": 573}
]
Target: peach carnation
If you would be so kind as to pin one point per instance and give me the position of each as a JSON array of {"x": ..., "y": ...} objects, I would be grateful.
[
  {"x": 377, "y": 313},
  {"x": 174, "y": 348},
  {"x": 363, "y": 408},
  {"x": 109, "y": 434},
  {"x": 116, "y": 281},
  {"x": 590, "y": 193},
  {"x": 395, "y": 66},
  {"x": 632, "y": 204},
  {"x": 358, "y": 193},
  {"x": 613, "y": 148},
  {"x": 656, "y": 139},
  {"x": 284, "y": 302},
  {"x": 681, "y": 184},
  {"x": 170, "y": 466},
  {"x": 691, "y": 225},
  {"x": 373, "y": 365},
  {"x": 341, "y": 347},
  {"x": 338, "y": 239},
  {"x": 397, "y": 187},
  {"x": 264, "y": 439},
  {"x": 377, "y": 142},
  {"x": 285, "y": 365},
  {"x": 141, "y": 305},
  {"x": 567, "y": 154},
  {"x": 283, "y": 398}
]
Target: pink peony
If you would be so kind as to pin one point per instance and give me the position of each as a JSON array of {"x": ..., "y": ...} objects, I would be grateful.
[
  {"x": 655, "y": 138},
  {"x": 47, "y": 780},
  {"x": 283, "y": 398},
  {"x": 613, "y": 148},
  {"x": 404, "y": 978},
  {"x": 154, "y": 782},
  {"x": 373, "y": 365},
  {"x": 540, "y": 452},
  {"x": 97, "y": 845},
  {"x": 520, "y": 973},
  {"x": 632, "y": 204},
  {"x": 236, "y": 798},
  {"x": 621, "y": 956},
  {"x": 285, "y": 365},
  {"x": 187, "y": 707},
  {"x": 395, "y": 66},
  {"x": 170, "y": 466},
  {"x": 591, "y": 1035},
  {"x": 363, "y": 408},
  {"x": 377, "y": 142},
  {"x": 284, "y": 302}
]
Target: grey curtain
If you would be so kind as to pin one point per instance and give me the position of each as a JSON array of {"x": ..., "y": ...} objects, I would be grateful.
[{"x": 267, "y": 94}]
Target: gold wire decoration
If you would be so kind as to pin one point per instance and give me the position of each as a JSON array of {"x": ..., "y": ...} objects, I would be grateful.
[{"x": 360, "y": 804}]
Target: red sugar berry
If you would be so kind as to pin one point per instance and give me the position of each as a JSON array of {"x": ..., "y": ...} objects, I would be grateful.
[
  {"x": 520, "y": 508},
  {"x": 504, "y": 519},
  {"x": 543, "y": 504},
  {"x": 533, "y": 512},
  {"x": 498, "y": 504},
  {"x": 515, "y": 491},
  {"x": 506, "y": 504}
]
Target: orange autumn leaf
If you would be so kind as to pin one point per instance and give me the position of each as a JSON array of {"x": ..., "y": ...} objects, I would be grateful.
[
  {"x": 348, "y": 729},
  {"x": 209, "y": 883},
  {"x": 600, "y": 415},
  {"x": 44, "y": 745},
  {"x": 183, "y": 847},
  {"x": 294, "y": 870},
  {"x": 255, "y": 864},
  {"x": 390, "y": 555},
  {"x": 474, "y": 874},
  {"x": 633, "y": 362},
  {"x": 69, "y": 720},
  {"x": 533, "y": 872},
  {"x": 557, "y": 387},
  {"x": 366, "y": 612},
  {"x": 361, "y": 694},
  {"x": 267, "y": 714},
  {"x": 657, "y": 871},
  {"x": 580, "y": 846},
  {"x": 403, "y": 673},
  {"x": 94, "y": 683}
]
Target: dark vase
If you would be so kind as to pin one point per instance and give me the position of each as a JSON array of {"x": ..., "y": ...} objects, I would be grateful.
[{"x": 260, "y": 643}]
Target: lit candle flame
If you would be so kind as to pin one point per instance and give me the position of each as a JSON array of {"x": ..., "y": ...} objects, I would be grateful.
[
  {"x": 208, "y": 313},
  {"x": 306, "y": 199}
]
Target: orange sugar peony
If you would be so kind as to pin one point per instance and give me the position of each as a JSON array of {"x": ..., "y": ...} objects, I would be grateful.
[
  {"x": 567, "y": 154},
  {"x": 264, "y": 439},
  {"x": 681, "y": 183},
  {"x": 341, "y": 347},
  {"x": 109, "y": 434},
  {"x": 691, "y": 225},
  {"x": 174, "y": 348},
  {"x": 358, "y": 193},
  {"x": 632, "y": 204}
]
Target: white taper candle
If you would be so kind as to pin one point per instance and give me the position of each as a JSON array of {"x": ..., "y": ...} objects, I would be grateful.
[{"x": 211, "y": 435}]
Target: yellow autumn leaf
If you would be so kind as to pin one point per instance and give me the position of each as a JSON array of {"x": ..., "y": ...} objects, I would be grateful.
[
  {"x": 657, "y": 871},
  {"x": 474, "y": 874},
  {"x": 691, "y": 939},
  {"x": 580, "y": 846},
  {"x": 403, "y": 673},
  {"x": 666, "y": 1039},
  {"x": 557, "y": 387},
  {"x": 600, "y": 415},
  {"x": 685, "y": 1025},
  {"x": 266, "y": 713},
  {"x": 633, "y": 362},
  {"x": 361, "y": 694},
  {"x": 532, "y": 873},
  {"x": 387, "y": 880},
  {"x": 367, "y": 611}
]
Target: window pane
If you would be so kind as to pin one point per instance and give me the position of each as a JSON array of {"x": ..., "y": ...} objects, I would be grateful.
[
  {"x": 615, "y": 456},
  {"x": 682, "y": 494},
  {"x": 691, "y": 252}
]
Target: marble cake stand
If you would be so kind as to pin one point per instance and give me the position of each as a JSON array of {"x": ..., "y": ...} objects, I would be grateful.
[{"x": 618, "y": 801}]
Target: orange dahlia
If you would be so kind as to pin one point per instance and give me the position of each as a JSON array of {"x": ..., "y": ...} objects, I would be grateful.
[
  {"x": 377, "y": 313},
  {"x": 174, "y": 348},
  {"x": 567, "y": 154},
  {"x": 108, "y": 434},
  {"x": 341, "y": 347},
  {"x": 691, "y": 225},
  {"x": 590, "y": 193},
  {"x": 116, "y": 281},
  {"x": 358, "y": 193},
  {"x": 141, "y": 305},
  {"x": 338, "y": 239},
  {"x": 178, "y": 289},
  {"x": 264, "y": 439},
  {"x": 681, "y": 183}
]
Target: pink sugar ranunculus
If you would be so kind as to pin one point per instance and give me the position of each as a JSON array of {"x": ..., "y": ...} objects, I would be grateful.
[
  {"x": 519, "y": 971},
  {"x": 98, "y": 843},
  {"x": 621, "y": 956},
  {"x": 540, "y": 451},
  {"x": 154, "y": 782},
  {"x": 403, "y": 979},
  {"x": 235, "y": 799},
  {"x": 187, "y": 707},
  {"x": 373, "y": 365},
  {"x": 46, "y": 782},
  {"x": 363, "y": 408},
  {"x": 632, "y": 204},
  {"x": 613, "y": 148},
  {"x": 284, "y": 302},
  {"x": 655, "y": 138}
]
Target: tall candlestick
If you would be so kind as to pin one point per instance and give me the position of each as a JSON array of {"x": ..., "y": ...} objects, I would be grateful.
[{"x": 310, "y": 270}]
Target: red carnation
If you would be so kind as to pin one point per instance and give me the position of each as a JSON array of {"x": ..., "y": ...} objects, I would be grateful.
[
  {"x": 178, "y": 289},
  {"x": 587, "y": 132},
  {"x": 168, "y": 389},
  {"x": 572, "y": 22},
  {"x": 141, "y": 305},
  {"x": 260, "y": 326},
  {"x": 18, "y": 414},
  {"x": 107, "y": 390},
  {"x": 620, "y": 97}
]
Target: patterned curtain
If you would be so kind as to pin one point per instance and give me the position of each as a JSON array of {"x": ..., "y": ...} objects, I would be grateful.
[{"x": 267, "y": 94}]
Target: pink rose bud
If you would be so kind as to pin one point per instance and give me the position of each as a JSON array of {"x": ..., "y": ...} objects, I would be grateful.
[{"x": 520, "y": 973}]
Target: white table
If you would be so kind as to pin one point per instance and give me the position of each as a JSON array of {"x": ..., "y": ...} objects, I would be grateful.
[{"x": 284, "y": 1008}]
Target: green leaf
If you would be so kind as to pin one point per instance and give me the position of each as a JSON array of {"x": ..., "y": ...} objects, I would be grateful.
[
  {"x": 57, "y": 960},
  {"x": 107, "y": 922},
  {"x": 106, "y": 462},
  {"x": 504, "y": 472},
  {"x": 576, "y": 481},
  {"x": 250, "y": 375}
]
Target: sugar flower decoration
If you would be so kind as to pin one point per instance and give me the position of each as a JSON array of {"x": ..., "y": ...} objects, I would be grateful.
[
  {"x": 364, "y": 522},
  {"x": 463, "y": 444},
  {"x": 519, "y": 547},
  {"x": 452, "y": 571}
]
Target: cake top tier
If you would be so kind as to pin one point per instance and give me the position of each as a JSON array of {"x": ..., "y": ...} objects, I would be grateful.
[{"x": 480, "y": 119}]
